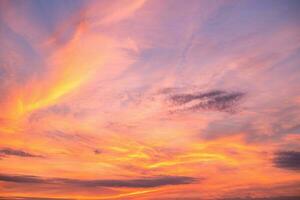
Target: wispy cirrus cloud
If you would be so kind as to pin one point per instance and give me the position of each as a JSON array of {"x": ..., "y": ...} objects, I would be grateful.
[{"x": 118, "y": 94}]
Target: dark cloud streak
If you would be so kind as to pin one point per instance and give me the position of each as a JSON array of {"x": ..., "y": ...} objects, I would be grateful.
[
  {"x": 133, "y": 183},
  {"x": 14, "y": 152},
  {"x": 287, "y": 160},
  {"x": 213, "y": 100},
  {"x": 265, "y": 198},
  {"x": 32, "y": 198}
]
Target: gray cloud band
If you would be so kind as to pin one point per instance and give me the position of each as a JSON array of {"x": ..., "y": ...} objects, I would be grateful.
[{"x": 132, "y": 183}]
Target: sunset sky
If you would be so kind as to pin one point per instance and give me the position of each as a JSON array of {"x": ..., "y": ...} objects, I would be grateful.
[{"x": 150, "y": 100}]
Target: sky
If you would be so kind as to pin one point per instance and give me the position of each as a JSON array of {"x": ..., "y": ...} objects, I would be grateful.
[{"x": 150, "y": 100}]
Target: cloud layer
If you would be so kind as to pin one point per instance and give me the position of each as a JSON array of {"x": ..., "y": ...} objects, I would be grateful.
[{"x": 140, "y": 99}]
